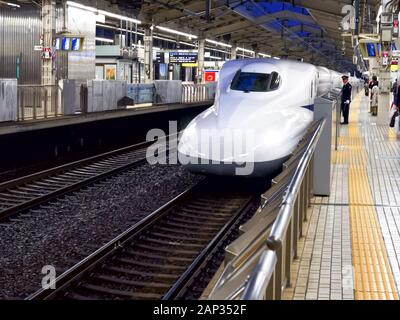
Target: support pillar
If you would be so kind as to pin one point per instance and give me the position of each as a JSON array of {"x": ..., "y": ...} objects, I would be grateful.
[
  {"x": 48, "y": 29},
  {"x": 256, "y": 51},
  {"x": 384, "y": 97},
  {"x": 148, "y": 54},
  {"x": 200, "y": 67},
  {"x": 234, "y": 51},
  {"x": 384, "y": 82}
]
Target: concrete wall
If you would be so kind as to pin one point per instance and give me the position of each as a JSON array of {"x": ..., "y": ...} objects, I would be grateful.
[
  {"x": 168, "y": 91},
  {"x": 82, "y": 64},
  {"x": 8, "y": 100},
  {"x": 19, "y": 32},
  {"x": 104, "y": 95},
  {"x": 141, "y": 93}
]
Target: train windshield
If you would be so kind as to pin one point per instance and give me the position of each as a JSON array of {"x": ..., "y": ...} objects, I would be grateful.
[{"x": 255, "y": 82}]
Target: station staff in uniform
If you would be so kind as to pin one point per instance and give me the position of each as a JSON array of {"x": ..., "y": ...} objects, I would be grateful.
[{"x": 346, "y": 99}]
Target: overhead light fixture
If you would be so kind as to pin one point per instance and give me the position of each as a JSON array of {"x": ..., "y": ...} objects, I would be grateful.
[
  {"x": 264, "y": 55},
  {"x": 187, "y": 44},
  {"x": 245, "y": 50},
  {"x": 118, "y": 29},
  {"x": 104, "y": 40},
  {"x": 140, "y": 46},
  {"x": 102, "y": 12},
  {"x": 188, "y": 35},
  {"x": 14, "y": 5},
  {"x": 378, "y": 16},
  {"x": 219, "y": 43},
  {"x": 215, "y": 58}
]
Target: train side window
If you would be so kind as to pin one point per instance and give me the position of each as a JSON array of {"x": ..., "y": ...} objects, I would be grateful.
[
  {"x": 275, "y": 81},
  {"x": 255, "y": 82}
]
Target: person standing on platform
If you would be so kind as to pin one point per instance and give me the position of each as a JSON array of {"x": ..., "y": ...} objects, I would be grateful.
[
  {"x": 346, "y": 99},
  {"x": 374, "y": 100},
  {"x": 373, "y": 83},
  {"x": 366, "y": 88},
  {"x": 395, "y": 89}
]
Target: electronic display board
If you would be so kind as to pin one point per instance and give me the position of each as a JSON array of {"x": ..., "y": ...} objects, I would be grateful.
[
  {"x": 66, "y": 44},
  {"x": 183, "y": 57},
  {"x": 58, "y": 44},
  {"x": 371, "y": 50},
  {"x": 76, "y": 44}
]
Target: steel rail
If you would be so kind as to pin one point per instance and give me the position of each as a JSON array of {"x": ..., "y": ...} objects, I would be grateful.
[{"x": 46, "y": 185}]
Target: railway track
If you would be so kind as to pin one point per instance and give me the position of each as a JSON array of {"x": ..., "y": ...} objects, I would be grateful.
[
  {"x": 159, "y": 257},
  {"x": 27, "y": 192}
]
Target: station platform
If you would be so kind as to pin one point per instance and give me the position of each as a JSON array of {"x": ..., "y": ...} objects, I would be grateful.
[
  {"x": 351, "y": 244},
  {"x": 55, "y": 122}
]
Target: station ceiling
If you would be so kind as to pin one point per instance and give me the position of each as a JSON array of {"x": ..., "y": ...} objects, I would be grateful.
[{"x": 307, "y": 29}]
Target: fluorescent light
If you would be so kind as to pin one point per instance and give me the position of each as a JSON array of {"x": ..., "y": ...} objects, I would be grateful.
[
  {"x": 219, "y": 43},
  {"x": 379, "y": 13},
  {"x": 187, "y": 44},
  {"x": 119, "y": 17},
  {"x": 277, "y": 58},
  {"x": 118, "y": 29},
  {"x": 245, "y": 50},
  {"x": 81, "y": 6},
  {"x": 140, "y": 46},
  {"x": 11, "y": 4},
  {"x": 190, "y": 36},
  {"x": 215, "y": 58},
  {"x": 264, "y": 55},
  {"x": 102, "y": 12},
  {"x": 104, "y": 40}
]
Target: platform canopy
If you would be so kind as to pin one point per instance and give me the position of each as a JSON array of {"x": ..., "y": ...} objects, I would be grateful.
[
  {"x": 307, "y": 29},
  {"x": 297, "y": 29}
]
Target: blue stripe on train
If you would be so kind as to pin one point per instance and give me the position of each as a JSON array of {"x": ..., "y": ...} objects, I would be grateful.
[{"x": 310, "y": 107}]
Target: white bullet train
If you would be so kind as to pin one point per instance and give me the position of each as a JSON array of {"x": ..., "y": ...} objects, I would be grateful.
[{"x": 262, "y": 109}]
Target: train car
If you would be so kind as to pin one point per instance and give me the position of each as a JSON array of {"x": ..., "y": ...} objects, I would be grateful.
[{"x": 261, "y": 111}]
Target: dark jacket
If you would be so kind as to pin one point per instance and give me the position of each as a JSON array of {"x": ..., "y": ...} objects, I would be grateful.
[{"x": 346, "y": 92}]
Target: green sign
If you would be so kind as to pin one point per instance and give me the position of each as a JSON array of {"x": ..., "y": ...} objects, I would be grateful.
[{"x": 18, "y": 67}]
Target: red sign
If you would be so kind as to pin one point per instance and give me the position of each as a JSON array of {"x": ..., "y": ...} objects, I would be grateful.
[{"x": 210, "y": 76}]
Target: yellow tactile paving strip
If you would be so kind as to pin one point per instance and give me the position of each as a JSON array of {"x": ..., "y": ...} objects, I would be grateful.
[{"x": 374, "y": 279}]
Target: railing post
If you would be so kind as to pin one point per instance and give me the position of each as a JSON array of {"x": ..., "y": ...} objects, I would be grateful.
[
  {"x": 305, "y": 197},
  {"x": 34, "y": 104},
  {"x": 295, "y": 228},
  {"x": 278, "y": 275},
  {"x": 46, "y": 102},
  {"x": 312, "y": 178},
  {"x": 21, "y": 104},
  {"x": 288, "y": 253},
  {"x": 270, "y": 292},
  {"x": 300, "y": 206}
]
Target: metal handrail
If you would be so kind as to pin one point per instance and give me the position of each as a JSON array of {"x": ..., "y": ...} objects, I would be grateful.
[
  {"x": 263, "y": 273},
  {"x": 281, "y": 224},
  {"x": 252, "y": 260},
  {"x": 261, "y": 277}
]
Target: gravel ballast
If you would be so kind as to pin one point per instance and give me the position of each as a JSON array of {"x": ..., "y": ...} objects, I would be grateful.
[{"x": 62, "y": 233}]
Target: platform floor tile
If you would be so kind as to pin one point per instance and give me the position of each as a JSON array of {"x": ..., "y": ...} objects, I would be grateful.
[{"x": 351, "y": 248}]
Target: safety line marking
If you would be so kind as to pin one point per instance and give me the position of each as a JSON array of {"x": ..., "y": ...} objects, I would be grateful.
[{"x": 374, "y": 278}]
